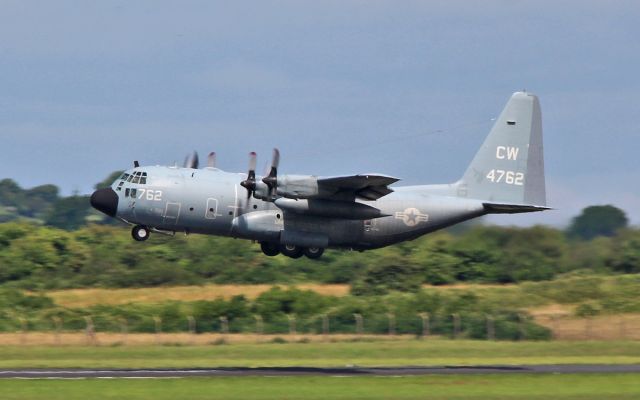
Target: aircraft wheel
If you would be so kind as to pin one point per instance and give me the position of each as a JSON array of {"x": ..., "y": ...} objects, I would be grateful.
[
  {"x": 269, "y": 249},
  {"x": 291, "y": 250},
  {"x": 140, "y": 233},
  {"x": 313, "y": 252}
]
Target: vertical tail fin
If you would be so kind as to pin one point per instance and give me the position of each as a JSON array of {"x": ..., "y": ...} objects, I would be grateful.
[{"x": 509, "y": 167}]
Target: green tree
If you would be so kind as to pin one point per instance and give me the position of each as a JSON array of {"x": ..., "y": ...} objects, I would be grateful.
[
  {"x": 626, "y": 252},
  {"x": 597, "y": 221},
  {"x": 69, "y": 212},
  {"x": 108, "y": 181},
  {"x": 387, "y": 277}
]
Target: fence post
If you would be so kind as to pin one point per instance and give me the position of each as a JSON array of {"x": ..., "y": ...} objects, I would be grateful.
[
  {"x": 24, "y": 328},
  {"x": 224, "y": 325},
  {"x": 124, "y": 329},
  {"x": 554, "y": 326},
  {"x": 456, "y": 325},
  {"x": 521, "y": 327},
  {"x": 158, "y": 325},
  {"x": 425, "y": 323},
  {"x": 90, "y": 331},
  {"x": 57, "y": 326},
  {"x": 392, "y": 323},
  {"x": 491, "y": 328},
  {"x": 191, "y": 322},
  {"x": 292, "y": 324},
  {"x": 359, "y": 323},
  {"x": 259, "y": 324},
  {"x": 587, "y": 327},
  {"x": 325, "y": 324}
]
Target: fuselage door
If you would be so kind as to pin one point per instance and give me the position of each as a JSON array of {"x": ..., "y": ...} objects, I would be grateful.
[
  {"x": 212, "y": 209},
  {"x": 171, "y": 213}
]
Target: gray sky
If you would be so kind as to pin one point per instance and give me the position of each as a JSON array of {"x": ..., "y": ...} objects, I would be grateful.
[{"x": 400, "y": 87}]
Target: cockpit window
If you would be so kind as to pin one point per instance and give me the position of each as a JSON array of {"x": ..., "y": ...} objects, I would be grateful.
[
  {"x": 138, "y": 177},
  {"x": 126, "y": 192}
]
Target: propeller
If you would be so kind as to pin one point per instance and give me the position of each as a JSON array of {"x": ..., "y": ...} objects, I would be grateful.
[
  {"x": 250, "y": 182},
  {"x": 271, "y": 180},
  {"x": 211, "y": 160},
  {"x": 191, "y": 161}
]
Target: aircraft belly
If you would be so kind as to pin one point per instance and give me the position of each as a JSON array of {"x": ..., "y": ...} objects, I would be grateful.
[
  {"x": 417, "y": 215},
  {"x": 338, "y": 232}
]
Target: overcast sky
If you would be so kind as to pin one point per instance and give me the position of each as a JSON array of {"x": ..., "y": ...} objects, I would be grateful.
[{"x": 399, "y": 87}]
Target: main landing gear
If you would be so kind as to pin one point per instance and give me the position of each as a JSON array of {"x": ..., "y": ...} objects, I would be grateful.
[
  {"x": 289, "y": 250},
  {"x": 140, "y": 233}
]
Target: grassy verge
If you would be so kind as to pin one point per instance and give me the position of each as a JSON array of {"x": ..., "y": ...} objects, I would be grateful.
[
  {"x": 388, "y": 353},
  {"x": 583, "y": 387},
  {"x": 93, "y": 296}
]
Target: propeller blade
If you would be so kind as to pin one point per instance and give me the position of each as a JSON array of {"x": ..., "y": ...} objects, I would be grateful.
[
  {"x": 191, "y": 161},
  {"x": 252, "y": 163},
  {"x": 271, "y": 180},
  {"x": 211, "y": 160},
  {"x": 250, "y": 182},
  {"x": 195, "y": 162}
]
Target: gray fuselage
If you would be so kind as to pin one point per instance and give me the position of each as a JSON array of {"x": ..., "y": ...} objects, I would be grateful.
[{"x": 211, "y": 201}]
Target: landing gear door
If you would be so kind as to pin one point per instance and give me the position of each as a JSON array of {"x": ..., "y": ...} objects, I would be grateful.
[{"x": 171, "y": 213}]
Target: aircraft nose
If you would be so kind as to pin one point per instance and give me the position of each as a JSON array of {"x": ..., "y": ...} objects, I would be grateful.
[{"x": 105, "y": 200}]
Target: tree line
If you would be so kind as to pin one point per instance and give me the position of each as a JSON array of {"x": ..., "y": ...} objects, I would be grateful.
[{"x": 34, "y": 256}]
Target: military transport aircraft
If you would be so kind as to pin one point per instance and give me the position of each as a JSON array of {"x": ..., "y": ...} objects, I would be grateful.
[{"x": 297, "y": 215}]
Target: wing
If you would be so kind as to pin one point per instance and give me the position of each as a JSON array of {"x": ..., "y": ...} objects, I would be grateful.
[{"x": 365, "y": 187}]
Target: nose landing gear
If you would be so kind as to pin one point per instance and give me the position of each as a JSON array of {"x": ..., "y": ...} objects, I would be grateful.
[{"x": 140, "y": 233}]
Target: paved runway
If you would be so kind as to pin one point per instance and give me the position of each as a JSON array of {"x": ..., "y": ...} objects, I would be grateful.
[{"x": 300, "y": 371}]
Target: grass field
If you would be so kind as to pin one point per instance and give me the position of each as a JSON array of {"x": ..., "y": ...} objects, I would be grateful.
[
  {"x": 378, "y": 353},
  {"x": 547, "y": 302},
  {"x": 583, "y": 387},
  {"x": 93, "y": 296}
]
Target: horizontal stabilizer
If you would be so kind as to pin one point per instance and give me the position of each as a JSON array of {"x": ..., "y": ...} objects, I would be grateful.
[{"x": 500, "y": 208}]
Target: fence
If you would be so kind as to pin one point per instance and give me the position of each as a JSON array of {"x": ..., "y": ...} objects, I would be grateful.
[{"x": 423, "y": 325}]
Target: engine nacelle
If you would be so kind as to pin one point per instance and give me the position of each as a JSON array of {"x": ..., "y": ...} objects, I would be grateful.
[{"x": 298, "y": 186}]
